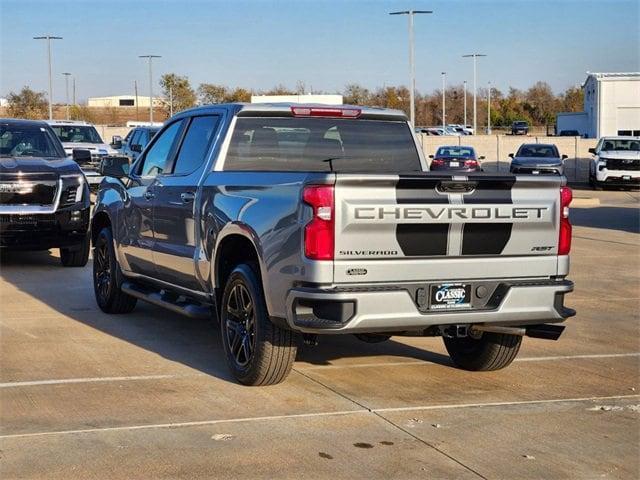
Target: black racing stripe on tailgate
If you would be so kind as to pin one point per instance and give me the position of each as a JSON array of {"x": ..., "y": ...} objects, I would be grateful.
[
  {"x": 421, "y": 239},
  {"x": 488, "y": 238}
]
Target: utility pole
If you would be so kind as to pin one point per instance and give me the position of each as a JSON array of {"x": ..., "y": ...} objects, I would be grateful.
[
  {"x": 135, "y": 89},
  {"x": 489, "y": 111},
  {"x": 74, "y": 91},
  {"x": 150, "y": 58},
  {"x": 412, "y": 68},
  {"x": 444, "y": 101},
  {"x": 475, "y": 79},
  {"x": 66, "y": 86},
  {"x": 464, "y": 86},
  {"x": 48, "y": 38}
]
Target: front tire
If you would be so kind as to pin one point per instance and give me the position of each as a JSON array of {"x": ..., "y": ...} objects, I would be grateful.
[
  {"x": 257, "y": 351},
  {"x": 107, "y": 277},
  {"x": 492, "y": 351},
  {"x": 77, "y": 256}
]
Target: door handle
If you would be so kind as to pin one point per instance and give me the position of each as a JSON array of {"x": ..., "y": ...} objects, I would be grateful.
[
  {"x": 187, "y": 197},
  {"x": 149, "y": 195}
]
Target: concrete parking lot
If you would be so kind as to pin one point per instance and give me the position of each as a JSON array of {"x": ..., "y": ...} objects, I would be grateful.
[{"x": 147, "y": 395}]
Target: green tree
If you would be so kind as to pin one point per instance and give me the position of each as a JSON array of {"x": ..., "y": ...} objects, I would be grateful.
[
  {"x": 572, "y": 100},
  {"x": 27, "y": 103},
  {"x": 541, "y": 103},
  {"x": 208, "y": 93},
  {"x": 177, "y": 87},
  {"x": 355, "y": 94}
]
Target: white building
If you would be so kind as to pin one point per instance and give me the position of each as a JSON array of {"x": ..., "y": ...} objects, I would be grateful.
[
  {"x": 611, "y": 106},
  {"x": 323, "y": 99},
  {"x": 123, "y": 101}
]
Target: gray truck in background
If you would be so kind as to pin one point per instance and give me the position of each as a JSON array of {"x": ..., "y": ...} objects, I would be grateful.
[{"x": 286, "y": 222}]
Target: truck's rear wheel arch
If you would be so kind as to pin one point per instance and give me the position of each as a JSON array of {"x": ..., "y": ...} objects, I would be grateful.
[
  {"x": 100, "y": 221},
  {"x": 234, "y": 250}
]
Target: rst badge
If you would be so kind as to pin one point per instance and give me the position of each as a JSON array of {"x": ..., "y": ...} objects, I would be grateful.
[{"x": 450, "y": 296}]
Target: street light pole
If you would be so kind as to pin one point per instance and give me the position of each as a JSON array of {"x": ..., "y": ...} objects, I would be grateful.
[
  {"x": 475, "y": 79},
  {"x": 48, "y": 38},
  {"x": 489, "y": 111},
  {"x": 66, "y": 86},
  {"x": 412, "y": 68},
  {"x": 464, "y": 84},
  {"x": 150, "y": 58},
  {"x": 444, "y": 104}
]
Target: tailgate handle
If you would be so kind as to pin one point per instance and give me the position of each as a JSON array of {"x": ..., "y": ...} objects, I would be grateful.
[{"x": 456, "y": 187}]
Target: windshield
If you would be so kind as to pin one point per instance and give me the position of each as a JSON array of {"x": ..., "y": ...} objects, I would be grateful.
[
  {"x": 458, "y": 152},
  {"x": 322, "y": 145},
  {"x": 544, "y": 151},
  {"x": 621, "y": 145},
  {"x": 76, "y": 133},
  {"x": 520, "y": 124},
  {"x": 27, "y": 141}
]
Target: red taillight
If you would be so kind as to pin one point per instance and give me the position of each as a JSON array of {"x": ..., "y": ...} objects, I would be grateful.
[
  {"x": 319, "y": 232},
  {"x": 325, "y": 112},
  {"x": 470, "y": 163},
  {"x": 564, "y": 240},
  {"x": 436, "y": 162}
]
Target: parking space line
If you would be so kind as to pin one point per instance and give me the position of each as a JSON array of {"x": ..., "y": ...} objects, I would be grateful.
[
  {"x": 503, "y": 404},
  {"x": 427, "y": 362},
  {"x": 358, "y": 411},
  {"x": 63, "y": 381}
]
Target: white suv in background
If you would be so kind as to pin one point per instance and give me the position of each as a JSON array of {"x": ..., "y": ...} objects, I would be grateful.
[
  {"x": 79, "y": 135},
  {"x": 616, "y": 163}
]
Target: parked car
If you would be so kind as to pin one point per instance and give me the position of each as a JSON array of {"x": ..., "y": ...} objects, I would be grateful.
[
  {"x": 135, "y": 141},
  {"x": 44, "y": 198},
  {"x": 458, "y": 158},
  {"x": 79, "y": 135},
  {"x": 616, "y": 162},
  {"x": 520, "y": 128},
  {"x": 537, "y": 159},
  {"x": 569, "y": 133},
  {"x": 287, "y": 220},
  {"x": 461, "y": 129}
]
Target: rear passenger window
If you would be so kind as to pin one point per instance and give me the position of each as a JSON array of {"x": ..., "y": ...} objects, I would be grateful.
[{"x": 196, "y": 144}]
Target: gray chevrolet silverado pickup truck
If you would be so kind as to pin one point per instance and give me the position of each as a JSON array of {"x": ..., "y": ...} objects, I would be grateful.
[{"x": 286, "y": 222}]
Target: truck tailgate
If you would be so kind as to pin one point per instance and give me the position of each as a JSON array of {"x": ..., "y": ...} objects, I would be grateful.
[{"x": 402, "y": 228}]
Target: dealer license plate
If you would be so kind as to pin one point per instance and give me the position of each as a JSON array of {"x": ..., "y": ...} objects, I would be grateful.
[
  {"x": 626, "y": 177},
  {"x": 454, "y": 164},
  {"x": 449, "y": 296}
]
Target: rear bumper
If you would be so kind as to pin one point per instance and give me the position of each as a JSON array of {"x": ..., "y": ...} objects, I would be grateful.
[{"x": 395, "y": 308}]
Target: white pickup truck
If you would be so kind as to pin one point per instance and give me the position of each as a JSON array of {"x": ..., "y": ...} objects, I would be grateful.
[{"x": 616, "y": 163}]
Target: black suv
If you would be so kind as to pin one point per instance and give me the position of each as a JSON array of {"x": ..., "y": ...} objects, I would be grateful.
[
  {"x": 44, "y": 196},
  {"x": 519, "y": 128}
]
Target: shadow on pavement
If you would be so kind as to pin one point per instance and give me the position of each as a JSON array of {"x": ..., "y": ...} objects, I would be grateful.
[
  {"x": 626, "y": 219},
  {"x": 194, "y": 343}
]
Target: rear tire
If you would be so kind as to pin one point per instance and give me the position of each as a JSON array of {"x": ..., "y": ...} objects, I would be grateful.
[
  {"x": 77, "y": 256},
  {"x": 257, "y": 351},
  {"x": 492, "y": 351},
  {"x": 107, "y": 277}
]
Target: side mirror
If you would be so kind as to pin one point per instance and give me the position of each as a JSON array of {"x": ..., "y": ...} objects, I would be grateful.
[
  {"x": 481, "y": 157},
  {"x": 430, "y": 156},
  {"x": 564, "y": 157},
  {"x": 511, "y": 155},
  {"x": 117, "y": 167},
  {"x": 116, "y": 142},
  {"x": 592, "y": 150},
  {"x": 136, "y": 147},
  {"x": 81, "y": 156}
]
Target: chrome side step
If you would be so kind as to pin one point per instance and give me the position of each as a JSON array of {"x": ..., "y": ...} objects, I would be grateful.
[{"x": 176, "y": 303}]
